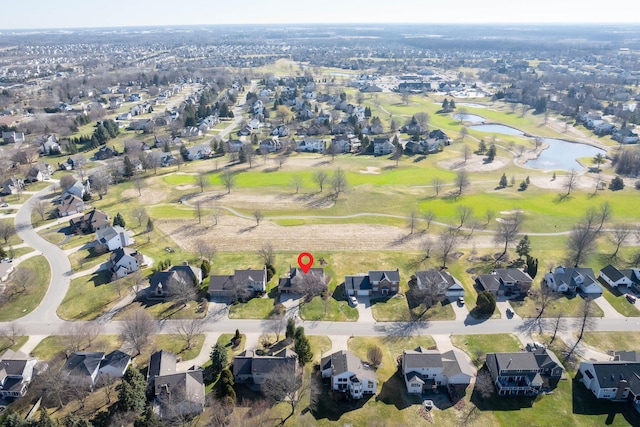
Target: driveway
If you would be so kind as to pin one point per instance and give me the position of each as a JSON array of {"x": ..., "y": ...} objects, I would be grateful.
[
  {"x": 443, "y": 342},
  {"x": 460, "y": 310},
  {"x": 607, "y": 308},
  {"x": 502, "y": 306},
  {"x": 365, "y": 314}
]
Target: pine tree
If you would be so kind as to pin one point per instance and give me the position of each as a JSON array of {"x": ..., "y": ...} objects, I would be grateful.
[
  {"x": 132, "y": 394},
  {"x": 119, "y": 220},
  {"x": 205, "y": 266},
  {"x": 291, "y": 328},
  {"x": 219, "y": 358},
  {"x": 503, "y": 181},
  {"x": 129, "y": 169},
  {"x": 532, "y": 266},
  {"x": 491, "y": 153},
  {"x": 524, "y": 247},
  {"x": 445, "y": 104}
]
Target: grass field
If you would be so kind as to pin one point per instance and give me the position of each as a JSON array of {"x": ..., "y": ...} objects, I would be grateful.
[
  {"x": 477, "y": 346},
  {"x": 24, "y": 301},
  {"x": 91, "y": 296}
]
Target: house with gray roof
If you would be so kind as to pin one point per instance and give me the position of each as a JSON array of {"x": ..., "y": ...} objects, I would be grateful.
[
  {"x": 627, "y": 277},
  {"x": 113, "y": 237},
  {"x": 90, "y": 222},
  {"x": 382, "y": 282},
  {"x": 248, "y": 367},
  {"x": 523, "y": 373},
  {"x": 505, "y": 281},
  {"x": 82, "y": 367},
  {"x": 294, "y": 281},
  {"x": 440, "y": 283},
  {"x": 114, "y": 364},
  {"x": 424, "y": 369},
  {"x": 125, "y": 261},
  {"x": 564, "y": 279},
  {"x": 616, "y": 380},
  {"x": 16, "y": 373},
  {"x": 349, "y": 374},
  {"x": 163, "y": 283},
  {"x": 243, "y": 284}
]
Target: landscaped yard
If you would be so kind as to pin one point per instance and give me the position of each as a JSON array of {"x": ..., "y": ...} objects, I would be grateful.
[
  {"x": 395, "y": 309},
  {"x": 619, "y": 301},
  {"x": 477, "y": 346},
  {"x": 91, "y": 296},
  {"x": 166, "y": 310},
  {"x": 328, "y": 309},
  {"x": 25, "y": 300},
  {"x": 606, "y": 341},
  {"x": 256, "y": 308},
  {"x": 569, "y": 306},
  {"x": 54, "y": 344}
]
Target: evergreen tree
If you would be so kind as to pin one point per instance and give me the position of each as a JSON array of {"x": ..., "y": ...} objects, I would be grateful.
[
  {"x": 445, "y": 104},
  {"x": 119, "y": 220},
  {"x": 532, "y": 266},
  {"x": 45, "y": 420},
  {"x": 503, "y": 181},
  {"x": 486, "y": 302},
  {"x": 302, "y": 348},
  {"x": 205, "y": 266},
  {"x": 523, "y": 185},
  {"x": 219, "y": 358},
  {"x": 72, "y": 420},
  {"x": 452, "y": 105},
  {"x": 291, "y": 328},
  {"x": 491, "y": 153},
  {"x": 149, "y": 225},
  {"x": 482, "y": 147},
  {"x": 129, "y": 169},
  {"x": 147, "y": 419},
  {"x": 132, "y": 394},
  {"x": 524, "y": 247}
]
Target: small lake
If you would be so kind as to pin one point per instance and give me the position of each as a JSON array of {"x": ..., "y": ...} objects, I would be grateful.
[
  {"x": 499, "y": 129},
  {"x": 469, "y": 118},
  {"x": 562, "y": 155},
  {"x": 470, "y": 104}
]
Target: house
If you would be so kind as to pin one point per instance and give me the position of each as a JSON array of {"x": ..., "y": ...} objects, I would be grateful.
[
  {"x": 124, "y": 116},
  {"x": 424, "y": 369},
  {"x": 382, "y": 146},
  {"x": 312, "y": 145},
  {"x": 294, "y": 282},
  {"x": 349, "y": 374},
  {"x": 248, "y": 367},
  {"x": 16, "y": 372},
  {"x": 614, "y": 277},
  {"x": 113, "y": 237},
  {"x": 70, "y": 205},
  {"x": 243, "y": 284},
  {"x": 105, "y": 153},
  {"x": 114, "y": 364},
  {"x": 78, "y": 189},
  {"x": 48, "y": 144},
  {"x": 41, "y": 172},
  {"x": 82, "y": 367},
  {"x": 523, "y": 373},
  {"x": 340, "y": 144},
  {"x": 571, "y": 279},
  {"x": 190, "y": 131},
  {"x": 125, "y": 261},
  {"x": 281, "y": 130},
  {"x": 446, "y": 285},
  {"x": 505, "y": 281},
  {"x": 234, "y": 146},
  {"x": 12, "y": 185},
  {"x": 617, "y": 380},
  {"x": 90, "y": 222},
  {"x": 270, "y": 145},
  {"x": 163, "y": 283},
  {"x": 13, "y": 137},
  {"x": 383, "y": 282},
  {"x": 176, "y": 393},
  {"x": 74, "y": 162},
  {"x": 198, "y": 152}
]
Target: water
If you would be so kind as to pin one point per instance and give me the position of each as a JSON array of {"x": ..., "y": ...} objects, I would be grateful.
[
  {"x": 499, "y": 129},
  {"x": 469, "y": 118},
  {"x": 470, "y": 104},
  {"x": 562, "y": 155}
]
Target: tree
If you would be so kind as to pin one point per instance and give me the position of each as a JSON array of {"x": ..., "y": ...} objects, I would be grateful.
[
  {"x": 198, "y": 212},
  {"x": 9, "y": 334},
  {"x": 297, "y": 181},
  {"x": 532, "y": 266},
  {"x": 581, "y": 243},
  {"x": 339, "y": 181},
  {"x": 302, "y": 347},
  {"x": 462, "y": 181},
  {"x": 617, "y": 183},
  {"x": 7, "y": 230},
  {"x": 374, "y": 355},
  {"x": 22, "y": 278},
  {"x": 119, "y": 220},
  {"x": 585, "y": 322},
  {"x": 139, "y": 214},
  {"x": 219, "y": 358},
  {"x": 411, "y": 221},
  {"x": 136, "y": 328},
  {"x": 310, "y": 285},
  {"x": 508, "y": 230},
  {"x": 598, "y": 160},
  {"x": 188, "y": 330},
  {"x": 132, "y": 394},
  {"x": 320, "y": 177},
  {"x": 491, "y": 153},
  {"x": 482, "y": 147},
  {"x": 523, "y": 249},
  {"x": 397, "y": 152},
  {"x": 258, "y": 216},
  {"x": 291, "y": 328},
  {"x": 40, "y": 207},
  {"x": 604, "y": 214},
  {"x": 486, "y": 303},
  {"x": 428, "y": 216},
  {"x": 202, "y": 179},
  {"x": 446, "y": 243},
  {"x": 228, "y": 180},
  {"x": 437, "y": 184},
  {"x": 464, "y": 132},
  {"x": 544, "y": 297},
  {"x": 466, "y": 153},
  {"x": 67, "y": 181},
  {"x": 283, "y": 385},
  {"x": 570, "y": 181},
  {"x": 503, "y": 181},
  {"x": 484, "y": 384},
  {"x": 465, "y": 213},
  {"x": 129, "y": 168},
  {"x": 618, "y": 236}
]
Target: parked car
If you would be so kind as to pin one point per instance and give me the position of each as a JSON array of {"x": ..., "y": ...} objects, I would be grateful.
[
  {"x": 630, "y": 298},
  {"x": 4, "y": 205},
  {"x": 509, "y": 313},
  {"x": 461, "y": 301},
  {"x": 353, "y": 301}
]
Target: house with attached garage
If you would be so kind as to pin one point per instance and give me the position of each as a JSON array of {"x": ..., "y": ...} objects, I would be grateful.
[
  {"x": 163, "y": 284},
  {"x": 294, "y": 282},
  {"x": 382, "y": 282},
  {"x": 382, "y": 146},
  {"x": 614, "y": 277},
  {"x": 114, "y": 364},
  {"x": 82, "y": 367},
  {"x": 564, "y": 279},
  {"x": 90, "y": 222},
  {"x": 16, "y": 372},
  {"x": 445, "y": 284},
  {"x": 616, "y": 380},
  {"x": 251, "y": 368},
  {"x": 349, "y": 374},
  {"x": 243, "y": 284},
  {"x": 424, "y": 369},
  {"x": 70, "y": 205},
  {"x": 505, "y": 281},
  {"x": 113, "y": 237},
  {"x": 125, "y": 261}
]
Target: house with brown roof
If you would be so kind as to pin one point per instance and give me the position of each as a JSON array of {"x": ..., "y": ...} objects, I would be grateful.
[
  {"x": 243, "y": 284},
  {"x": 90, "y": 222},
  {"x": 383, "y": 282},
  {"x": 439, "y": 283},
  {"x": 70, "y": 205},
  {"x": 505, "y": 281}
]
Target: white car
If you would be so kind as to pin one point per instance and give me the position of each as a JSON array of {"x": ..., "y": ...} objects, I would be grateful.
[{"x": 353, "y": 301}]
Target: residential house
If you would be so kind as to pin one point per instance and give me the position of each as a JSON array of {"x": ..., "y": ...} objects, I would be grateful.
[
  {"x": 382, "y": 282},
  {"x": 16, "y": 372},
  {"x": 439, "y": 135},
  {"x": 199, "y": 152},
  {"x": 246, "y": 130},
  {"x": 523, "y": 373},
  {"x": 572, "y": 279},
  {"x": 74, "y": 162},
  {"x": 294, "y": 282},
  {"x": 12, "y": 185},
  {"x": 114, "y": 364},
  {"x": 444, "y": 283},
  {"x": 382, "y": 146},
  {"x": 105, "y": 153},
  {"x": 161, "y": 140},
  {"x": 176, "y": 392},
  {"x": 82, "y": 367},
  {"x": 124, "y": 116},
  {"x": 431, "y": 145},
  {"x": 190, "y": 131},
  {"x": 113, "y": 238},
  {"x": 48, "y": 144},
  {"x": 349, "y": 374},
  {"x": 505, "y": 281},
  {"x": 312, "y": 145},
  {"x": 614, "y": 277},
  {"x": 270, "y": 145},
  {"x": 163, "y": 283},
  {"x": 617, "y": 380},
  {"x": 243, "y": 284},
  {"x": 70, "y": 205},
  {"x": 424, "y": 369},
  {"x": 250, "y": 368},
  {"x": 341, "y": 144},
  {"x": 40, "y": 172},
  {"x": 90, "y": 222},
  {"x": 281, "y": 130},
  {"x": 125, "y": 261},
  {"x": 78, "y": 189},
  {"x": 13, "y": 137},
  {"x": 624, "y": 136},
  {"x": 234, "y": 146}
]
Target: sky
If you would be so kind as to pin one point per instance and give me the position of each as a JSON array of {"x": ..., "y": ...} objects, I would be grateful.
[{"x": 38, "y": 14}]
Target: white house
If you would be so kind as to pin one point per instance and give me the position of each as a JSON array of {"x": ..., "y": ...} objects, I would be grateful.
[
  {"x": 78, "y": 189},
  {"x": 349, "y": 374},
  {"x": 312, "y": 145},
  {"x": 198, "y": 152},
  {"x": 564, "y": 279},
  {"x": 125, "y": 261},
  {"x": 16, "y": 372},
  {"x": 49, "y": 144},
  {"x": 113, "y": 237},
  {"x": 614, "y": 380},
  {"x": 382, "y": 146},
  {"x": 614, "y": 277},
  {"x": 424, "y": 369}
]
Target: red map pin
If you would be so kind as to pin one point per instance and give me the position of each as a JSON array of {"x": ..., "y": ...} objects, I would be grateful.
[{"x": 305, "y": 266}]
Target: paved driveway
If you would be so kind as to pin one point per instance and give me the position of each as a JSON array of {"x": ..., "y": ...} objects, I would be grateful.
[
  {"x": 607, "y": 308},
  {"x": 364, "y": 309}
]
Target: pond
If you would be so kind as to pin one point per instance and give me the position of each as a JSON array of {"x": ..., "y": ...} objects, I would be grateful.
[
  {"x": 500, "y": 129},
  {"x": 562, "y": 155},
  {"x": 470, "y": 104},
  {"x": 469, "y": 118}
]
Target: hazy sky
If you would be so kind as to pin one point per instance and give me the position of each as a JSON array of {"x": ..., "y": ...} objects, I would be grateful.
[{"x": 24, "y": 14}]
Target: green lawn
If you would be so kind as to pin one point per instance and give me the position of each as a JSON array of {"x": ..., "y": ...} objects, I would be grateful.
[
  {"x": 226, "y": 340},
  {"x": 477, "y": 346},
  {"x": 256, "y": 308},
  {"x": 569, "y": 306},
  {"x": 165, "y": 310},
  {"x": 91, "y": 296},
  {"x": 86, "y": 259},
  {"x": 177, "y": 345},
  {"x": 396, "y": 309},
  {"x": 619, "y": 302},
  {"x": 6, "y": 344},
  {"x": 605, "y": 341},
  {"x": 24, "y": 302},
  {"x": 329, "y": 310},
  {"x": 77, "y": 240},
  {"x": 54, "y": 344}
]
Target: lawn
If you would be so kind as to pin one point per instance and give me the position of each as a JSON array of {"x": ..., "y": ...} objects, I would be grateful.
[
  {"x": 256, "y": 308},
  {"x": 396, "y": 309},
  {"x": 25, "y": 301},
  {"x": 606, "y": 341},
  {"x": 175, "y": 344},
  {"x": 165, "y": 310},
  {"x": 86, "y": 259},
  {"x": 5, "y": 343},
  {"x": 618, "y": 301},
  {"x": 77, "y": 240},
  {"x": 477, "y": 346},
  {"x": 89, "y": 297},
  {"x": 329, "y": 310},
  {"x": 569, "y": 306},
  {"x": 54, "y": 344},
  {"x": 53, "y": 236},
  {"x": 226, "y": 340}
]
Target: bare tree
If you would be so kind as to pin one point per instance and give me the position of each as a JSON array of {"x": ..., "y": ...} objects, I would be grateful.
[
  {"x": 320, "y": 177},
  {"x": 339, "y": 181},
  {"x": 374, "y": 356},
  {"x": 544, "y": 297},
  {"x": 412, "y": 218},
  {"x": 297, "y": 181},
  {"x": 446, "y": 243},
  {"x": 428, "y": 216},
  {"x": 570, "y": 181},
  {"x": 437, "y": 184},
  {"x": 7, "y": 230},
  {"x": 581, "y": 243},
  {"x": 136, "y": 328},
  {"x": 466, "y": 153},
  {"x": 181, "y": 291},
  {"x": 508, "y": 230},
  {"x": 258, "y": 216},
  {"x": 267, "y": 254},
  {"x": 80, "y": 335},
  {"x": 202, "y": 179},
  {"x": 249, "y": 154},
  {"x": 107, "y": 384},
  {"x": 618, "y": 236},
  {"x": 282, "y": 385},
  {"x": 557, "y": 325},
  {"x": 216, "y": 212},
  {"x": 100, "y": 181},
  {"x": 484, "y": 384},
  {"x": 464, "y": 132},
  {"x": 188, "y": 330},
  {"x": 206, "y": 249},
  {"x": 137, "y": 282},
  {"x": 585, "y": 322},
  {"x": 605, "y": 211},
  {"x": 310, "y": 285},
  {"x": 228, "y": 180},
  {"x": 22, "y": 278},
  {"x": 465, "y": 213},
  {"x": 281, "y": 159},
  {"x": 139, "y": 214},
  {"x": 40, "y": 206},
  {"x": 66, "y": 181},
  {"x": 462, "y": 181},
  {"x": 198, "y": 212}
]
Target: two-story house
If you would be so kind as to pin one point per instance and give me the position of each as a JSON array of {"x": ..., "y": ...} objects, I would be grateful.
[
  {"x": 164, "y": 283},
  {"x": 242, "y": 285},
  {"x": 505, "y": 281},
  {"x": 564, "y": 279},
  {"x": 349, "y": 374},
  {"x": 439, "y": 283},
  {"x": 16, "y": 373},
  {"x": 113, "y": 237},
  {"x": 248, "y": 367},
  {"x": 424, "y": 369},
  {"x": 383, "y": 282},
  {"x": 125, "y": 261}
]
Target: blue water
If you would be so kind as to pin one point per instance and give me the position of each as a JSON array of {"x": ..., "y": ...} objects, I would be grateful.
[
  {"x": 470, "y": 104},
  {"x": 500, "y": 129},
  {"x": 562, "y": 155},
  {"x": 469, "y": 118}
]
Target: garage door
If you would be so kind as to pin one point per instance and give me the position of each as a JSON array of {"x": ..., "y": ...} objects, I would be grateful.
[{"x": 363, "y": 293}]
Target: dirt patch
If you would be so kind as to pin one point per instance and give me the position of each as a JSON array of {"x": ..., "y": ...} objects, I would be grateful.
[
  {"x": 371, "y": 170},
  {"x": 186, "y": 187},
  {"x": 473, "y": 164},
  {"x": 284, "y": 201},
  {"x": 147, "y": 197},
  {"x": 584, "y": 182}
]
